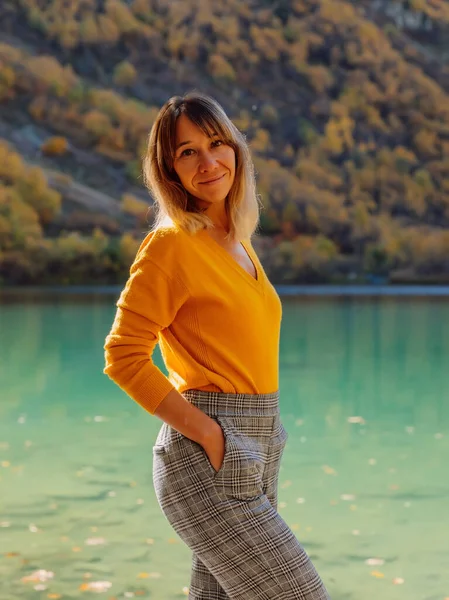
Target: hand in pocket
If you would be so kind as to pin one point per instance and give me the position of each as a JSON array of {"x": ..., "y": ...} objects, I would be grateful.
[{"x": 214, "y": 447}]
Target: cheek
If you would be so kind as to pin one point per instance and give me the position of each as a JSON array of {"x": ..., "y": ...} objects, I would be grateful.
[
  {"x": 229, "y": 159},
  {"x": 184, "y": 174}
]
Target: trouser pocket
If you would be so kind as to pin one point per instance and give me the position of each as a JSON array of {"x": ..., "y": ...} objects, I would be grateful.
[{"x": 240, "y": 475}]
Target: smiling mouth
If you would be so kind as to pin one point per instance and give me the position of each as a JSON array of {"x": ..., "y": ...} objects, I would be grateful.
[{"x": 212, "y": 180}]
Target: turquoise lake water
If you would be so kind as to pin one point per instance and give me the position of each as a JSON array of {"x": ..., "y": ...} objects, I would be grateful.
[{"x": 365, "y": 475}]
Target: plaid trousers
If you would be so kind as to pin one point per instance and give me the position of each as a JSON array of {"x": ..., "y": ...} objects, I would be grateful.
[{"x": 242, "y": 548}]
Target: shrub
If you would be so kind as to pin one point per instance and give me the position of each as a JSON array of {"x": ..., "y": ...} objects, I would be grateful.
[
  {"x": 124, "y": 74},
  {"x": 55, "y": 146},
  {"x": 220, "y": 68},
  {"x": 134, "y": 206},
  {"x": 97, "y": 123}
]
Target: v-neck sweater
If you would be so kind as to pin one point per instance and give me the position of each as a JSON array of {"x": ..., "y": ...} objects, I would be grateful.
[{"x": 217, "y": 326}]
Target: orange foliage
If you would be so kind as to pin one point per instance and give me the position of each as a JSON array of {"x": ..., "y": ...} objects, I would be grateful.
[{"x": 55, "y": 146}]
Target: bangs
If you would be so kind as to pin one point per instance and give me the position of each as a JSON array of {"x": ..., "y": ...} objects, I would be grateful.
[{"x": 207, "y": 121}]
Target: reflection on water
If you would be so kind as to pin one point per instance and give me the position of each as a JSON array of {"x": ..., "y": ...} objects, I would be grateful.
[{"x": 364, "y": 485}]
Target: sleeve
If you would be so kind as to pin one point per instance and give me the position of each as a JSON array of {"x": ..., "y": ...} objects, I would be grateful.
[{"x": 148, "y": 303}]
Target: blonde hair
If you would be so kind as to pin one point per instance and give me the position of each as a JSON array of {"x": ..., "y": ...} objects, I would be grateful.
[{"x": 172, "y": 201}]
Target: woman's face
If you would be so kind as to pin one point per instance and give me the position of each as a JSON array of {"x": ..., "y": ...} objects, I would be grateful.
[{"x": 205, "y": 165}]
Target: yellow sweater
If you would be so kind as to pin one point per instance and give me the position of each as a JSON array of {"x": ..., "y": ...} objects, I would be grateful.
[{"x": 217, "y": 327}]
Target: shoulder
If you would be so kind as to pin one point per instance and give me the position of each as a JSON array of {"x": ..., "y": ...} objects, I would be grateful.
[{"x": 163, "y": 247}]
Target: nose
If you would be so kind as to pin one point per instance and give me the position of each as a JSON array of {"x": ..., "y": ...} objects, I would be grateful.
[{"x": 207, "y": 162}]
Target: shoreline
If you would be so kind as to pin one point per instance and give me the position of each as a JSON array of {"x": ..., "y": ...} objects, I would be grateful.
[{"x": 284, "y": 291}]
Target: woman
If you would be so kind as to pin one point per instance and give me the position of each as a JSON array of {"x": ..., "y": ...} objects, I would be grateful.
[{"x": 197, "y": 287}]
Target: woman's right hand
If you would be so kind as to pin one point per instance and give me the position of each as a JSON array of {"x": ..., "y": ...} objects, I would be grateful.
[{"x": 214, "y": 446}]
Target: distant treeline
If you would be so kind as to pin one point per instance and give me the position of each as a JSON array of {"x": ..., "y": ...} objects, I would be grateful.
[{"x": 350, "y": 137}]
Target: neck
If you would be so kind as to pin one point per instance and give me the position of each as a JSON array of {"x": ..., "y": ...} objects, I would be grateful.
[{"x": 218, "y": 215}]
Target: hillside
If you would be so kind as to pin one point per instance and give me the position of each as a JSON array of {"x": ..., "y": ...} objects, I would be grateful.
[{"x": 345, "y": 106}]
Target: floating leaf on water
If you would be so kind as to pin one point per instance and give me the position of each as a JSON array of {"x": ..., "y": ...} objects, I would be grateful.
[
  {"x": 100, "y": 419},
  {"x": 347, "y": 497},
  {"x": 132, "y": 483},
  {"x": 329, "y": 470},
  {"x": 95, "y": 586},
  {"x": 41, "y": 575},
  {"x": 309, "y": 528},
  {"x": 4, "y": 445},
  {"x": 299, "y": 422},
  {"x": 377, "y": 574},
  {"x": 353, "y": 507},
  {"x": 357, "y": 419},
  {"x": 33, "y": 528},
  {"x": 394, "y": 486},
  {"x": 282, "y": 504},
  {"x": 54, "y": 596},
  {"x": 407, "y": 504},
  {"x": 303, "y": 439},
  {"x": 300, "y": 500},
  {"x": 185, "y": 591},
  {"x": 355, "y": 532},
  {"x": 5, "y": 463},
  {"x": 149, "y": 541},
  {"x": 140, "y": 501},
  {"x": 295, "y": 526},
  {"x": 28, "y": 443},
  {"x": 143, "y": 576},
  {"x": 172, "y": 541},
  {"x": 410, "y": 429},
  {"x": 372, "y": 461},
  {"x": 374, "y": 562},
  {"x": 40, "y": 587},
  {"x": 95, "y": 541},
  {"x": 398, "y": 581},
  {"x": 439, "y": 436},
  {"x": 76, "y": 549},
  {"x": 286, "y": 484},
  {"x": 21, "y": 420},
  {"x": 112, "y": 494}
]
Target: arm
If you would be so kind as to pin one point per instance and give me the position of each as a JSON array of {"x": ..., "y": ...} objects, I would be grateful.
[
  {"x": 148, "y": 303},
  {"x": 193, "y": 423}
]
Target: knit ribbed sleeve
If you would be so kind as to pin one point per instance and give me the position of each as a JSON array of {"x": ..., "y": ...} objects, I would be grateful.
[{"x": 148, "y": 303}]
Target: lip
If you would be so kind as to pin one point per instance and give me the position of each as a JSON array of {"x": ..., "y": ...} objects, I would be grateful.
[{"x": 212, "y": 181}]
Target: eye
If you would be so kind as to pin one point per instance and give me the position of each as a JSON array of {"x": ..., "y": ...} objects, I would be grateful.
[
  {"x": 184, "y": 152},
  {"x": 217, "y": 143}
]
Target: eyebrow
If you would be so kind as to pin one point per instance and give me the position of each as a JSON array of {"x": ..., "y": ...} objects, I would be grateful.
[{"x": 190, "y": 142}]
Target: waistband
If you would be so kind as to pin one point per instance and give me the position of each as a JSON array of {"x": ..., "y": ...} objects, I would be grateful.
[{"x": 221, "y": 403}]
